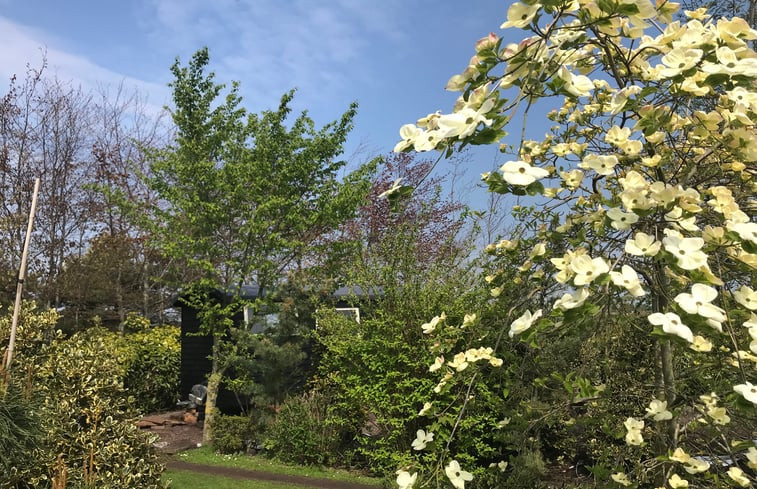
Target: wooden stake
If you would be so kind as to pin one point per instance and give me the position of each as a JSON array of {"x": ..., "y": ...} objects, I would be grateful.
[{"x": 21, "y": 276}]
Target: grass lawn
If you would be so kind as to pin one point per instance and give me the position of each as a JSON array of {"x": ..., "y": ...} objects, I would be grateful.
[
  {"x": 206, "y": 456},
  {"x": 191, "y": 480}
]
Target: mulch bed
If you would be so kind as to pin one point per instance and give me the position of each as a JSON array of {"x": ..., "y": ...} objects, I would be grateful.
[{"x": 174, "y": 433}]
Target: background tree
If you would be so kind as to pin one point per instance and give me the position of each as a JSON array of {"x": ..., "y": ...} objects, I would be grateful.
[
  {"x": 46, "y": 133},
  {"x": 433, "y": 219},
  {"x": 124, "y": 133},
  {"x": 77, "y": 142}
]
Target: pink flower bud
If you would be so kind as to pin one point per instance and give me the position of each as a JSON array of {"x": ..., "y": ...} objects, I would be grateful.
[{"x": 487, "y": 42}]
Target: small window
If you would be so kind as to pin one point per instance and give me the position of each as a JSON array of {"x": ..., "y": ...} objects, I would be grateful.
[
  {"x": 349, "y": 312},
  {"x": 259, "y": 323}
]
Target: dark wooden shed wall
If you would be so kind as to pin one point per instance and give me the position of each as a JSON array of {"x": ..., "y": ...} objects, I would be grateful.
[{"x": 195, "y": 361}]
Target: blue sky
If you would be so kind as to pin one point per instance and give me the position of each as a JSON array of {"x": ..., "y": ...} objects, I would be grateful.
[{"x": 392, "y": 56}]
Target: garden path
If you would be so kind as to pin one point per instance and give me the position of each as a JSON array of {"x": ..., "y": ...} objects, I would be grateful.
[{"x": 244, "y": 474}]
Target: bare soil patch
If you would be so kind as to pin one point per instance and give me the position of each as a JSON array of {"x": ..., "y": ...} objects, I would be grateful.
[{"x": 175, "y": 434}]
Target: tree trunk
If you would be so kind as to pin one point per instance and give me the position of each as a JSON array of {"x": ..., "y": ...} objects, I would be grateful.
[
  {"x": 120, "y": 301},
  {"x": 666, "y": 357},
  {"x": 668, "y": 380},
  {"x": 214, "y": 383}
]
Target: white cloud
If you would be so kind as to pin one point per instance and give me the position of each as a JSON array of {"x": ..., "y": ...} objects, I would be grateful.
[
  {"x": 323, "y": 47},
  {"x": 31, "y": 46}
]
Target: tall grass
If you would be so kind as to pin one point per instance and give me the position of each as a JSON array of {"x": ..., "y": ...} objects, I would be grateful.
[{"x": 20, "y": 432}]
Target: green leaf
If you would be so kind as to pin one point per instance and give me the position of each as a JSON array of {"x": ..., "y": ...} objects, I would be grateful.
[{"x": 535, "y": 188}]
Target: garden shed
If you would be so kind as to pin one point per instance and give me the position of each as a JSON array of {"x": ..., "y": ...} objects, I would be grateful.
[{"x": 196, "y": 348}]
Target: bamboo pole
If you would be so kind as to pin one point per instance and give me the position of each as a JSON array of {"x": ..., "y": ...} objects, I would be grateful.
[{"x": 21, "y": 277}]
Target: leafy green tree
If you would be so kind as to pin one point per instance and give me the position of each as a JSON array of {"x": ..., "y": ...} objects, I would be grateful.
[
  {"x": 243, "y": 196},
  {"x": 414, "y": 267}
]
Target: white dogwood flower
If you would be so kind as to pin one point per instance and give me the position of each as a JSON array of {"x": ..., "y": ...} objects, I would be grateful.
[
  {"x": 430, "y": 326},
  {"x": 524, "y": 322},
  {"x": 671, "y": 323},
  {"x": 719, "y": 415},
  {"x": 602, "y": 164},
  {"x": 520, "y": 15},
  {"x": 642, "y": 244},
  {"x": 572, "y": 178},
  {"x": 737, "y": 476},
  {"x": 464, "y": 122},
  {"x": 676, "y": 482},
  {"x": 633, "y": 434},
  {"x": 587, "y": 269},
  {"x": 746, "y": 230},
  {"x": 576, "y": 85},
  {"x": 658, "y": 410},
  {"x": 680, "y": 456},
  {"x": 688, "y": 251},
  {"x": 521, "y": 173},
  {"x": 572, "y": 301},
  {"x": 422, "y": 439},
  {"x": 696, "y": 466},
  {"x": 679, "y": 60},
  {"x": 409, "y": 133},
  {"x": 621, "y": 220},
  {"x": 621, "y": 478},
  {"x": 746, "y": 297},
  {"x": 699, "y": 303},
  {"x": 425, "y": 409},
  {"x": 456, "y": 475},
  {"x": 751, "y": 456},
  {"x": 701, "y": 344},
  {"x": 629, "y": 280},
  {"x": 468, "y": 319},
  {"x": 405, "y": 480},
  {"x": 459, "y": 362},
  {"x": 748, "y": 391}
]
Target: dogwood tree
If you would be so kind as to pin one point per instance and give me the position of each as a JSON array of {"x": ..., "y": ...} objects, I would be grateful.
[{"x": 642, "y": 208}]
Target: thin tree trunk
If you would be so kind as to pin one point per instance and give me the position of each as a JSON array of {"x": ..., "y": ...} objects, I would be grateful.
[
  {"x": 120, "y": 301},
  {"x": 668, "y": 380},
  {"x": 214, "y": 383},
  {"x": 666, "y": 357},
  {"x": 146, "y": 295}
]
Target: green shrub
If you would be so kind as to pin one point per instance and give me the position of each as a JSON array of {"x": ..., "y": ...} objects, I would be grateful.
[
  {"x": 233, "y": 434},
  {"x": 74, "y": 395},
  {"x": 152, "y": 375},
  {"x": 89, "y": 419},
  {"x": 148, "y": 362},
  {"x": 135, "y": 323},
  {"x": 35, "y": 330},
  {"x": 300, "y": 433}
]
